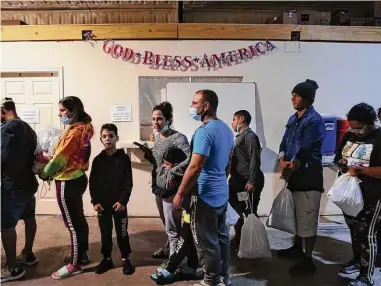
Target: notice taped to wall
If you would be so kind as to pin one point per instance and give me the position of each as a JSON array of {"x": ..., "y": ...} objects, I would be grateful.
[
  {"x": 120, "y": 113},
  {"x": 30, "y": 115}
]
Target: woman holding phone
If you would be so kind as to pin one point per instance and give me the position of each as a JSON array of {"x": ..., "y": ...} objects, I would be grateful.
[
  {"x": 165, "y": 138},
  {"x": 359, "y": 154}
]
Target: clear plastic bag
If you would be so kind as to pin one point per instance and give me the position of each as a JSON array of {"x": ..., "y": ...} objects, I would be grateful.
[
  {"x": 47, "y": 140},
  {"x": 254, "y": 241},
  {"x": 231, "y": 216},
  {"x": 282, "y": 214},
  {"x": 346, "y": 194}
]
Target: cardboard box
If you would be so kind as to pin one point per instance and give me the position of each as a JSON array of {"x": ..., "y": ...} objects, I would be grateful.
[
  {"x": 306, "y": 17},
  {"x": 357, "y": 21},
  {"x": 285, "y": 18},
  {"x": 322, "y": 18}
]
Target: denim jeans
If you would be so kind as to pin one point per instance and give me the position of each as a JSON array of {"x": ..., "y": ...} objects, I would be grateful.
[{"x": 213, "y": 238}]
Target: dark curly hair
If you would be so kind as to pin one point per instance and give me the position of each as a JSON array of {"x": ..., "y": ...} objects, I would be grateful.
[
  {"x": 167, "y": 110},
  {"x": 363, "y": 113}
]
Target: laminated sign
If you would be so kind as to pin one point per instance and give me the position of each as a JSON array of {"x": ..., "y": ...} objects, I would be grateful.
[
  {"x": 120, "y": 113},
  {"x": 30, "y": 115}
]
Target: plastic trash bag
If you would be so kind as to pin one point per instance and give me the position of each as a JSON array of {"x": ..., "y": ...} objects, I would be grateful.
[
  {"x": 254, "y": 241},
  {"x": 231, "y": 216},
  {"x": 47, "y": 140},
  {"x": 282, "y": 214},
  {"x": 346, "y": 194}
]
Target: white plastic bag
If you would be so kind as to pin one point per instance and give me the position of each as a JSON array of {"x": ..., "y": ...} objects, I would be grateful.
[
  {"x": 254, "y": 241},
  {"x": 231, "y": 216},
  {"x": 282, "y": 214},
  {"x": 346, "y": 194}
]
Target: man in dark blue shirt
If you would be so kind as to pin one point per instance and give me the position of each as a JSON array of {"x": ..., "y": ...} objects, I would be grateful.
[{"x": 300, "y": 163}]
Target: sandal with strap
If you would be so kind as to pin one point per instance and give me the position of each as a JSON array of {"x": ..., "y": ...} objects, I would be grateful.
[{"x": 64, "y": 272}]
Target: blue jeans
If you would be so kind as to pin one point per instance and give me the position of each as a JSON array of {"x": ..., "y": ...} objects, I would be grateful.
[{"x": 213, "y": 238}]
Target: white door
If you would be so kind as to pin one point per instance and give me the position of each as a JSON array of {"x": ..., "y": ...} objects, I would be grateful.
[{"x": 41, "y": 91}]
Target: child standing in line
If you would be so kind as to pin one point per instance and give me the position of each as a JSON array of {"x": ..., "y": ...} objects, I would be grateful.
[
  {"x": 185, "y": 247},
  {"x": 110, "y": 190}
]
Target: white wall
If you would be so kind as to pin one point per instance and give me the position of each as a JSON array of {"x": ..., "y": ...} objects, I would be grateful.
[{"x": 347, "y": 74}]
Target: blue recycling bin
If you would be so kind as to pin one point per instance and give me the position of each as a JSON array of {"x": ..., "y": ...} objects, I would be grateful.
[{"x": 329, "y": 143}]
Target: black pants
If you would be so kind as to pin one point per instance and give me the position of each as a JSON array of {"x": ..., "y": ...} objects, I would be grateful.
[
  {"x": 185, "y": 248},
  {"x": 212, "y": 235},
  {"x": 105, "y": 219},
  {"x": 69, "y": 198},
  {"x": 365, "y": 229},
  {"x": 237, "y": 185}
]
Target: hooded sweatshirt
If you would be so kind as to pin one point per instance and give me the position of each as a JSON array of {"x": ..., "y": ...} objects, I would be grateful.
[
  {"x": 111, "y": 179},
  {"x": 71, "y": 157}
]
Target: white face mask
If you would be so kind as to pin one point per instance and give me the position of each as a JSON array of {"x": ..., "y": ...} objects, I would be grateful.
[{"x": 238, "y": 129}]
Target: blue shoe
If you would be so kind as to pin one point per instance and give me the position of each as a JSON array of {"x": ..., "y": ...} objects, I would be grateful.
[{"x": 163, "y": 276}]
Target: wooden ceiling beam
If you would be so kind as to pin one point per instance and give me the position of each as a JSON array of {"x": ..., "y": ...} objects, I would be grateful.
[
  {"x": 81, "y": 5},
  {"x": 101, "y": 32},
  {"x": 191, "y": 31}
]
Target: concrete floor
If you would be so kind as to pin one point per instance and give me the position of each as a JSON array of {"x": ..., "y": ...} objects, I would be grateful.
[{"x": 146, "y": 235}]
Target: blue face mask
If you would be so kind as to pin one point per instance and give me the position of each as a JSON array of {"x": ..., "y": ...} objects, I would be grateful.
[
  {"x": 164, "y": 129},
  {"x": 66, "y": 120},
  {"x": 239, "y": 127},
  {"x": 193, "y": 113}
]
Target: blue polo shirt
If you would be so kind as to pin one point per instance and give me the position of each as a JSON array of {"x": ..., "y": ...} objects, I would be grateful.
[{"x": 215, "y": 140}]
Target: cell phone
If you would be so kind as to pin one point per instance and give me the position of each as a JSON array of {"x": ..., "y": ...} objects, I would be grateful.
[{"x": 141, "y": 146}]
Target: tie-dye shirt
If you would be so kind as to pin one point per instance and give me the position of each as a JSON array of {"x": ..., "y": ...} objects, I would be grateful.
[{"x": 71, "y": 158}]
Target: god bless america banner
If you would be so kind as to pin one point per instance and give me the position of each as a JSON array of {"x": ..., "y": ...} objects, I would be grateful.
[{"x": 168, "y": 61}]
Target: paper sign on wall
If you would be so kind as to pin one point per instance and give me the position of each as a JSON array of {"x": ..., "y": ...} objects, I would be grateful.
[
  {"x": 120, "y": 113},
  {"x": 30, "y": 115}
]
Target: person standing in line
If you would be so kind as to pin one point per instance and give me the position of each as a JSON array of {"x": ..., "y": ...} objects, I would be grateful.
[
  {"x": 67, "y": 167},
  {"x": 110, "y": 189},
  {"x": 18, "y": 186},
  {"x": 301, "y": 166},
  {"x": 165, "y": 137},
  {"x": 212, "y": 146},
  {"x": 359, "y": 153},
  {"x": 245, "y": 172}
]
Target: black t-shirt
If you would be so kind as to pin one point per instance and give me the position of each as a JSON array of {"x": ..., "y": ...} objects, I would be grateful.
[{"x": 367, "y": 152}]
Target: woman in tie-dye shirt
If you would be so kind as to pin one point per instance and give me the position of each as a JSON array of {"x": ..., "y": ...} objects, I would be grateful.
[{"x": 67, "y": 167}]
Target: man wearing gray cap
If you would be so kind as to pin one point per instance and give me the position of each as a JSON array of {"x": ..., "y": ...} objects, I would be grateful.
[
  {"x": 301, "y": 166},
  {"x": 18, "y": 186}
]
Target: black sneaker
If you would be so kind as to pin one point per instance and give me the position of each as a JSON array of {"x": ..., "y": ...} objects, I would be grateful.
[
  {"x": 84, "y": 258},
  {"x": 104, "y": 266},
  {"x": 26, "y": 259},
  {"x": 351, "y": 267},
  {"x": 360, "y": 281},
  {"x": 304, "y": 267},
  {"x": 292, "y": 252},
  {"x": 12, "y": 274},
  {"x": 128, "y": 269}
]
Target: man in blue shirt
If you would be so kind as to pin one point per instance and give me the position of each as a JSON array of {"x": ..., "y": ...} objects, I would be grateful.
[
  {"x": 300, "y": 163},
  {"x": 212, "y": 145}
]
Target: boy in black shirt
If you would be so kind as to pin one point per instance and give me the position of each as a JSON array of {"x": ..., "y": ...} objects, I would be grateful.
[{"x": 110, "y": 189}]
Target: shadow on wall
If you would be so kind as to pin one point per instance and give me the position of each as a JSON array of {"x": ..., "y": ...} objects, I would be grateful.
[{"x": 269, "y": 158}]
